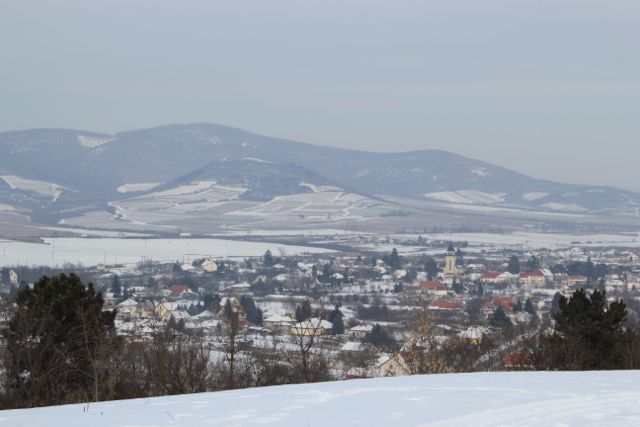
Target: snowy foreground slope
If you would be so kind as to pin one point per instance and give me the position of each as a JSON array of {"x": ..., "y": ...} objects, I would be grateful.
[{"x": 487, "y": 399}]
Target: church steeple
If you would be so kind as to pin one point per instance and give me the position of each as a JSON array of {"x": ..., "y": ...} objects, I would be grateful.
[{"x": 450, "y": 268}]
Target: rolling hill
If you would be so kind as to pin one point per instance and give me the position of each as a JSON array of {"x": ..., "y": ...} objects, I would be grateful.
[{"x": 57, "y": 175}]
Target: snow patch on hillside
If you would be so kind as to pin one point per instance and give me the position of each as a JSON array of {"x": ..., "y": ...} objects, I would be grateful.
[
  {"x": 211, "y": 188},
  {"x": 319, "y": 188},
  {"x": 253, "y": 159},
  {"x": 92, "y": 141},
  {"x": 141, "y": 186},
  {"x": 534, "y": 195},
  {"x": 189, "y": 198},
  {"x": 566, "y": 207},
  {"x": 43, "y": 188},
  {"x": 483, "y": 399},
  {"x": 467, "y": 197},
  {"x": 480, "y": 171}
]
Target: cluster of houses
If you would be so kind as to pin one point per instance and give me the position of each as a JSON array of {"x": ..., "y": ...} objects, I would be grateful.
[{"x": 461, "y": 294}]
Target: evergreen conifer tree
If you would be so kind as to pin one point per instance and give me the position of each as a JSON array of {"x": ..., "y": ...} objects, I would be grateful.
[
  {"x": 514, "y": 265},
  {"x": 116, "y": 287},
  {"x": 267, "y": 259}
]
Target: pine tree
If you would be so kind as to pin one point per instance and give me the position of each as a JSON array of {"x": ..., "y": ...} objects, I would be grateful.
[
  {"x": 555, "y": 304},
  {"x": 457, "y": 286},
  {"x": 58, "y": 326},
  {"x": 267, "y": 259},
  {"x": 254, "y": 314},
  {"x": 499, "y": 318},
  {"x": 589, "y": 335},
  {"x": 116, "y": 287},
  {"x": 459, "y": 258},
  {"x": 338, "y": 325},
  {"x": 303, "y": 312},
  {"x": 514, "y": 265},
  {"x": 380, "y": 337},
  {"x": 431, "y": 268},
  {"x": 211, "y": 302},
  {"x": 394, "y": 259}
]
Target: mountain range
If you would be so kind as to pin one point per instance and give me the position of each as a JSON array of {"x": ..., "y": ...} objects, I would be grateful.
[{"x": 59, "y": 176}]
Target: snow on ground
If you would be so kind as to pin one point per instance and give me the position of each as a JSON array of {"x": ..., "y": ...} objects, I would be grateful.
[
  {"x": 320, "y": 188},
  {"x": 43, "y": 188},
  {"x": 92, "y": 141},
  {"x": 324, "y": 204},
  {"x": 467, "y": 197},
  {"x": 534, "y": 195},
  {"x": 571, "y": 207},
  {"x": 221, "y": 192},
  {"x": 253, "y": 159},
  {"x": 480, "y": 171},
  {"x": 332, "y": 232},
  {"x": 539, "y": 240},
  {"x": 484, "y": 399},
  {"x": 140, "y": 186},
  {"x": 185, "y": 199},
  {"x": 89, "y": 251}
]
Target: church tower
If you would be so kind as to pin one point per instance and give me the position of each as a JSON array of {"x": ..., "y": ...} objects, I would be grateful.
[{"x": 450, "y": 268}]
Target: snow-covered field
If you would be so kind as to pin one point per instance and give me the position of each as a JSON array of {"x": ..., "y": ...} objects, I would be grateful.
[
  {"x": 324, "y": 204},
  {"x": 467, "y": 197},
  {"x": 541, "y": 240},
  {"x": 90, "y": 251},
  {"x": 485, "y": 399},
  {"x": 140, "y": 186},
  {"x": 43, "y": 188}
]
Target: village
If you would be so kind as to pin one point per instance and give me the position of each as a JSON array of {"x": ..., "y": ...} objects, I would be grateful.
[{"x": 366, "y": 314}]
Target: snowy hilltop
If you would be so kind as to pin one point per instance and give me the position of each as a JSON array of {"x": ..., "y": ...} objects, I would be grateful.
[{"x": 484, "y": 399}]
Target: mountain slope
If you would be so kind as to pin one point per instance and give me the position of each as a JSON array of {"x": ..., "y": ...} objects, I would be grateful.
[
  {"x": 261, "y": 179},
  {"x": 55, "y": 172}
]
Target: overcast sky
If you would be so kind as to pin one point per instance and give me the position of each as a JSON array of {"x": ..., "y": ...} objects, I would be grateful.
[{"x": 549, "y": 88}]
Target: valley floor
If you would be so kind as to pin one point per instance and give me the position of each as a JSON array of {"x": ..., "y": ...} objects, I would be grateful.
[{"x": 484, "y": 399}]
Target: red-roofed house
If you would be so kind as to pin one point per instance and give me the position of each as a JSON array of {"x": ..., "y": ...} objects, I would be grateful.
[
  {"x": 445, "y": 305},
  {"x": 506, "y": 303},
  {"x": 518, "y": 361}
]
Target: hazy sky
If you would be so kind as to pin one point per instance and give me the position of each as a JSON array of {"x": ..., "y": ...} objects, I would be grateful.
[{"x": 549, "y": 88}]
